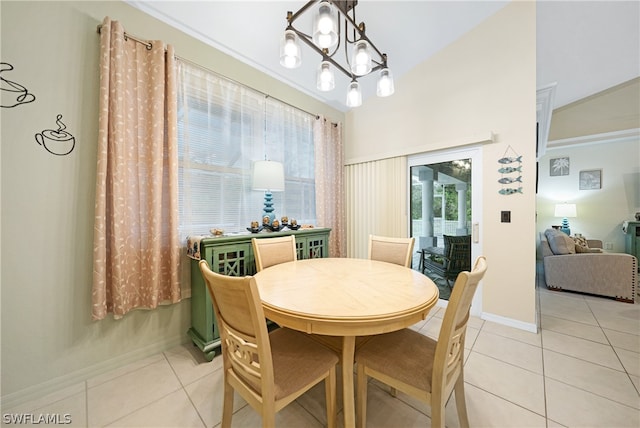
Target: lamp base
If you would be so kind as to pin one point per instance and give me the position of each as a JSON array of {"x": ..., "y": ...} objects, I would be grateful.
[
  {"x": 268, "y": 209},
  {"x": 565, "y": 226}
]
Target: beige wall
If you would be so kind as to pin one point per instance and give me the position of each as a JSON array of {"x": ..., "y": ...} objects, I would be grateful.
[
  {"x": 485, "y": 82},
  {"x": 48, "y": 338}
]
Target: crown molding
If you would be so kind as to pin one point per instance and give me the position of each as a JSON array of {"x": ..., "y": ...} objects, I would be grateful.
[
  {"x": 607, "y": 137},
  {"x": 544, "y": 109}
]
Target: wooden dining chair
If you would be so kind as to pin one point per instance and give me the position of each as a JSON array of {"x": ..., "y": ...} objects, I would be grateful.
[
  {"x": 273, "y": 251},
  {"x": 392, "y": 250},
  {"x": 418, "y": 365},
  {"x": 269, "y": 370}
]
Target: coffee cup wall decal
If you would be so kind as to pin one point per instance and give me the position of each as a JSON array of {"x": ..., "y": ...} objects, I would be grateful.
[
  {"x": 15, "y": 93},
  {"x": 57, "y": 142}
]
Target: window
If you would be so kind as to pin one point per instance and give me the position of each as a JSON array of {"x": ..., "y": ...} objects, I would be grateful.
[{"x": 223, "y": 127}]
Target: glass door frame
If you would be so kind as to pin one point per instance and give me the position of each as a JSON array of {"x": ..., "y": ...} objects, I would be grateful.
[{"x": 473, "y": 152}]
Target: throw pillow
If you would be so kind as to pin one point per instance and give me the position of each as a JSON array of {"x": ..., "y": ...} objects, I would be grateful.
[
  {"x": 581, "y": 244},
  {"x": 560, "y": 242}
]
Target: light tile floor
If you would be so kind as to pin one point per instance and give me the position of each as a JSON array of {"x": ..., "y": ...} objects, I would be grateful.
[{"x": 581, "y": 370}]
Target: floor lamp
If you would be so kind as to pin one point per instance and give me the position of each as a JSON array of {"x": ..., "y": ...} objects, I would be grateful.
[{"x": 269, "y": 177}]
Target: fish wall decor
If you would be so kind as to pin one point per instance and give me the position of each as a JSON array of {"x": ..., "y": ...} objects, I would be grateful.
[
  {"x": 509, "y": 169},
  {"x": 509, "y": 180},
  {"x": 511, "y": 163},
  {"x": 510, "y": 191},
  {"x": 510, "y": 159}
]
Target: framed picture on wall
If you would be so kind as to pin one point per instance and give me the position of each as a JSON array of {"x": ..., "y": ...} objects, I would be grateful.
[
  {"x": 591, "y": 179},
  {"x": 559, "y": 166}
]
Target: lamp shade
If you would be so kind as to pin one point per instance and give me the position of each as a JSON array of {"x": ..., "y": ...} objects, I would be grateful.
[
  {"x": 326, "y": 80},
  {"x": 268, "y": 176},
  {"x": 385, "y": 83},
  {"x": 565, "y": 210},
  {"x": 290, "y": 50},
  {"x": 361, "y": 58},
  {"x": 325, "y": 33},
  {"x": 354, "y": 96}
]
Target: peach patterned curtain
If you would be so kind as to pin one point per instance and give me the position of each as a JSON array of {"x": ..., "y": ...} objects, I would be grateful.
[
  {"x": 329, "y": 177},
  {"x": 136, "y": 245}
]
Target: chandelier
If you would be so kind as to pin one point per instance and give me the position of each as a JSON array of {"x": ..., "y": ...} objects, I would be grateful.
[{"x": 334, "y": 24}]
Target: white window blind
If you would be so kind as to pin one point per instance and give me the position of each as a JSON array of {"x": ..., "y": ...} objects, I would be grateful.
[{"x": 223, "y": 127}]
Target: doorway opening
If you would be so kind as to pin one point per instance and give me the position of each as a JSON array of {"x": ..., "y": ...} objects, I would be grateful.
[{"x": 444, "y": 216}]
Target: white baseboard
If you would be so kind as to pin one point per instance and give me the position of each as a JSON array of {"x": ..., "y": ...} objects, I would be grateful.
[
  {"x": 510, "y": 322},
  {"x": 47, "y": 387}
]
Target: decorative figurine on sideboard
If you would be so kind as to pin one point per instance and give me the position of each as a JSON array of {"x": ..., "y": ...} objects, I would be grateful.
[
  {"x": 294, "y": 224},
  {"x": 255, "y": 227}
]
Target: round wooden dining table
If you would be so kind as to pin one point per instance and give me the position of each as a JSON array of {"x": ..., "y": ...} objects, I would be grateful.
[{"x": 345, "y": 297}]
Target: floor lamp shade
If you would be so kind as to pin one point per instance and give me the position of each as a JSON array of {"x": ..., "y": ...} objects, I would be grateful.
[
  {"x": 565, "y": 211},
  {"x": 268, "y": 176}
]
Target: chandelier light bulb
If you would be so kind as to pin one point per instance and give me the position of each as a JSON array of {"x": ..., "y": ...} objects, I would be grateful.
[
  {"x": 354, "y": 96},
  {"x": 325, "y": 79},
  {"x": 361, "y": 58},
  {"x": 385, "y": 83},
  {"x": 290, "y": 50},
  {"x": 325, "y": 34}
]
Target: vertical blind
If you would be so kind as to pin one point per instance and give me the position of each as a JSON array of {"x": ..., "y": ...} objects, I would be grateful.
[
  {"x": 223, "y": 127},
  {"x": 376, "y": 195}
]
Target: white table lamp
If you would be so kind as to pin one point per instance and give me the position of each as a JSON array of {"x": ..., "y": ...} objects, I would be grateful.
[{"x": 565, "y": 211}]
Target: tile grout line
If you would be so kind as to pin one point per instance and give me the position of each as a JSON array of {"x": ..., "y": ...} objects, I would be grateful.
[
  {"x": 86, "y": 402},
  {"x": 586, "y": 301},
  {"x": 613, "y": 348},
  {"x": 544, "y": 376},
  {"x": 182, "y": 386}
]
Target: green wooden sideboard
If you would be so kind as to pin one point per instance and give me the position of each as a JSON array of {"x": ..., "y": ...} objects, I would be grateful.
[{"x": 233, "y": 255}]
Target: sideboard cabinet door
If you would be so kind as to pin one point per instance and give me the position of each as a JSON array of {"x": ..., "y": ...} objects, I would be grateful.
[{"x": 233, "y": 255}]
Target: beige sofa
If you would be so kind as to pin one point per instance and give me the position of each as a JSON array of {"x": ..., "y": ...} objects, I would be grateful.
[{"x": 588, "y": 271}]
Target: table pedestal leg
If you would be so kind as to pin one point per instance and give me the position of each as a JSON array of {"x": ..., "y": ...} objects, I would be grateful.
[{"x": 348, "y": 350}]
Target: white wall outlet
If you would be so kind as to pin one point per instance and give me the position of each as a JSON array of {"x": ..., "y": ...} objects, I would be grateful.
[{"x": 608, "y": 245}]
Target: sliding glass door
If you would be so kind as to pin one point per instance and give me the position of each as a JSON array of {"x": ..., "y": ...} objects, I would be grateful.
[{"x": 445, "y": 216}]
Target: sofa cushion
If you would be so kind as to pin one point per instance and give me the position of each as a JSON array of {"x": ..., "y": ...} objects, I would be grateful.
[
  {"x": 560, "y": 242},
  {"x": 581, "y": 244}
]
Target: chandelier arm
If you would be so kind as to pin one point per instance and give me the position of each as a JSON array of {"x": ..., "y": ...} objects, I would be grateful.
[
  {"x": 309, "y": 43},
  {"x": 345, "y": 13},
  {"x": 346, "y": 43},
  {"x": 356, "y": 29},
  {"x": 292, "y": 17},
  {"x": 298, "y": 32}
]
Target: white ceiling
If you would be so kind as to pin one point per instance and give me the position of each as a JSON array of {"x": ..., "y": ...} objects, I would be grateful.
[{"x": 583, "y": 46}]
